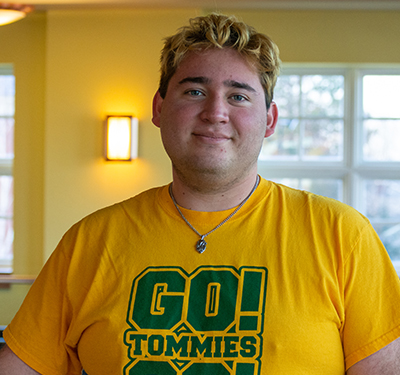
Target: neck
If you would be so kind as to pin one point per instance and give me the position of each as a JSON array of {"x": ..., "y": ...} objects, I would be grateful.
[{"x": 220, "y": 197}]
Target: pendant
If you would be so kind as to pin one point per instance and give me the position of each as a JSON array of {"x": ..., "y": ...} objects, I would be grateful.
[{"x": 201, "y": 245}]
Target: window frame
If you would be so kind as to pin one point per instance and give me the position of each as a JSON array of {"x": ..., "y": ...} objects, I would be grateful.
[
  {"x": 6, "y": 169},
  {"x": 352, "y": 170}
]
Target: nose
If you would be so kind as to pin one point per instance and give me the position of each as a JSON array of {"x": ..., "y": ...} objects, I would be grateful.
[{"x": 215, "y": 110}]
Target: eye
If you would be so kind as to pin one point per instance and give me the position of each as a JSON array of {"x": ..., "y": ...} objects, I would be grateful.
[
  {"x": 194, "y": 92},
  {"x": 239, "y": 98}
]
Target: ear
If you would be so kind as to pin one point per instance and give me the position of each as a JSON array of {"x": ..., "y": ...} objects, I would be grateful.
[
  {"x": 157, "y": 105},
  {"x": 272, "y": 119}
]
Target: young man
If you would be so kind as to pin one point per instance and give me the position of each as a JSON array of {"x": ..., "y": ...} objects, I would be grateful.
[{"x": 220, "y": 272}]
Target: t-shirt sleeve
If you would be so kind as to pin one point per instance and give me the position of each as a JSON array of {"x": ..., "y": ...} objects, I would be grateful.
[
  {"x": 38, "y": 334},
  {"x": 371, "y": 297}
]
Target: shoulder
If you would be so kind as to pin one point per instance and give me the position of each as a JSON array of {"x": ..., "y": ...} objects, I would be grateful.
[
  {"x": 113, "y": 218},
  {"x": 145, "y": 200},
  {"x": 313, "y": 206},
  {"x": 323, "y": 221}
]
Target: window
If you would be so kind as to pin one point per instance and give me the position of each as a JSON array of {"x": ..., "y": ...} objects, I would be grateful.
[
  {"x": 338, "y": 135},
  {"x": 7, "y": 99}
]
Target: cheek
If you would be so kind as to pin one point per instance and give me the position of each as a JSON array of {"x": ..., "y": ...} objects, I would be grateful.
[
  {"x": 252, "y": 127},
  {"x": 178, "y": 116},
  {"x": 172, "y": 129}
]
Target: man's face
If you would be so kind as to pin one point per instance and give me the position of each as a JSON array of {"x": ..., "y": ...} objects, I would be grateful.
[{"x": 213, "y": 118}]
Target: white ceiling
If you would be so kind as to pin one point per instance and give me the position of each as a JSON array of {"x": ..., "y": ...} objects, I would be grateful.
[{"x": 216, "y": 4}]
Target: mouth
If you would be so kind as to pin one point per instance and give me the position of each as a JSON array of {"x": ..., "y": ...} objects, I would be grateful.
[{"x": 211, "y": 138}]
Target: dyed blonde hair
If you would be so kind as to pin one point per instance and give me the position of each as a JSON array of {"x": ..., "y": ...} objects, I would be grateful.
[{"x": 219, "y": 31}]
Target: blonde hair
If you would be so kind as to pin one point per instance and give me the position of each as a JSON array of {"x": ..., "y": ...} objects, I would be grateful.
[{"x": 219, "y": 31}]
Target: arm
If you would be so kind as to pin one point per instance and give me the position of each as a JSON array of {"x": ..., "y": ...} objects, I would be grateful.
[
  {"x": 384, "y": 362},
  {"x": 10, "y": 364}
]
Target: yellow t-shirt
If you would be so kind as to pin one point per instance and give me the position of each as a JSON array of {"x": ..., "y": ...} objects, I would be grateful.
[{"x": 292, "y": 284}]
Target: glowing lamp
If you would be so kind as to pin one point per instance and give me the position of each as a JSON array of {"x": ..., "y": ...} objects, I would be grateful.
[
  {"x": 121, "y": 138},
  {"x": 13, "y": 12}
]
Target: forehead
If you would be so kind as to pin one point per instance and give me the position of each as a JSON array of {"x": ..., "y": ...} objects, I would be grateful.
[{"x": 217, "y": 65}]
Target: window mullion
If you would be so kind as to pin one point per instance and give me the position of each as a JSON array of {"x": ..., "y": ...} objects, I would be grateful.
[{"x": 350, "y": 134}]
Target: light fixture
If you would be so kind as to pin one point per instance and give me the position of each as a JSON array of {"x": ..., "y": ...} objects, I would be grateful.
[
  {"x": 13, "y": 12},
  {"x": 121, "y": 138}
]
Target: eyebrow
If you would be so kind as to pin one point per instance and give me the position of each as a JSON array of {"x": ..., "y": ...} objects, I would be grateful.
[
  {"x": 200, "y": 79},
  {"x": 239, "y": 85},
  {"x": 228, "y": 83}
]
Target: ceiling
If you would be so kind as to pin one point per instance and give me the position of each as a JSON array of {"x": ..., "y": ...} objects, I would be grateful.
[{"x": 216, "y": 4}]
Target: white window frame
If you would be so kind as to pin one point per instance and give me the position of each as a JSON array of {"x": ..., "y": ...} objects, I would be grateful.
[{"x": 352, "y": 170}]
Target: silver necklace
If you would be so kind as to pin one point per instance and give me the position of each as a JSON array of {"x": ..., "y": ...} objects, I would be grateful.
[{"x": 201, "y": 244}]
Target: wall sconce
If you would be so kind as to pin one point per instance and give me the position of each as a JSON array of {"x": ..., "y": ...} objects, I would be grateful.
[
  {"x": 13, "y": 12},
  {"x": 121, "y": 138}
]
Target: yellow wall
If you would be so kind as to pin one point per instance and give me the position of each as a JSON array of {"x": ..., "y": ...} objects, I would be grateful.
[
  {"x": 23, "y": 44},
  {"x": 332, "y": 36},
  {"x": 75, "y": 67},
  {"x": 99, "y": 63}
]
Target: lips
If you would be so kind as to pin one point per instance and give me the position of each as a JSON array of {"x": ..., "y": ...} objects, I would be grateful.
[{"x": 211, "y": 137}]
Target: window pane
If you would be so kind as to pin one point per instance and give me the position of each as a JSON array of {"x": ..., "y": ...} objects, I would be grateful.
[
  {"x": 6, "y": 221},
  {"x": 323, "y": 139},
  {"x": 284, "y": 144},
  {"x": 6, "y": 241},
  {"x": 390, "y": 236},
  {"x": 6, "y": 138},
  {"x": 310, "y": 122},
  {"x": 381, "y": 140},
  {"x": 381, "y": 95},
  {"x": 382, "y": 207},
  {"x": 6, "y": 196},
  {"x": 7, "y": 109},
  {"x": 287, "y": 95},
  {"x": 322, "y": 96},
  {"x": 7, "y": 95},
  {"x": 382, "y": 199}
]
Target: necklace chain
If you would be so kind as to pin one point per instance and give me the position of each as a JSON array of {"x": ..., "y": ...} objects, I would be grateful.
[{"x": 202, "y": 244}]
